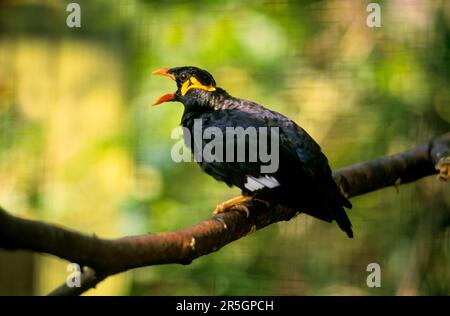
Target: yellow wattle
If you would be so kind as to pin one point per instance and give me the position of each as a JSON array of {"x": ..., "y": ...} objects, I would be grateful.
[{"x": 192, "y": 83}]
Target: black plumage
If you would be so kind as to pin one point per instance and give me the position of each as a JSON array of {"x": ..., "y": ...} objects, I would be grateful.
[{"x": 304, "y": 177}]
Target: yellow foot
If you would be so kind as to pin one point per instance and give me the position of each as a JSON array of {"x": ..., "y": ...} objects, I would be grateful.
[
  {"x": 444, "y": 168},
  {"x": 233, "y": 205}
]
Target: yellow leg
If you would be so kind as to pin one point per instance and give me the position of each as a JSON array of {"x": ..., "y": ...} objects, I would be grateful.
[{"x": 233, "y": 205}]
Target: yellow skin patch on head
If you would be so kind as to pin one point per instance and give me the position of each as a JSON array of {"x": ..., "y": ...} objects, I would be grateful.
[{"x": 193, "y": 83}]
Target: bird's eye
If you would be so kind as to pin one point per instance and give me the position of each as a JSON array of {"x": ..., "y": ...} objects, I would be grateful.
[{"x": 183, "y": 77}]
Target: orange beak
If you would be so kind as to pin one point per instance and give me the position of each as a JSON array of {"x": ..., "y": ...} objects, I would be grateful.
[
  {"x": 164, "y": 98},
  {"x": 168, "y": 96},
  {"x": 164, "y": 72}
]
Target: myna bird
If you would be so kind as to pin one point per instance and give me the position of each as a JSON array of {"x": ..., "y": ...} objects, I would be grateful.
[{"x": 303, "y": 180}]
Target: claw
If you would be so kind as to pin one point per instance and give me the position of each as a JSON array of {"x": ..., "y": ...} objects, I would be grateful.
[
  {"x": 443, "y": 166},
  {"x": 241, "y": 208},
  {"x": 233, "y": 205}
]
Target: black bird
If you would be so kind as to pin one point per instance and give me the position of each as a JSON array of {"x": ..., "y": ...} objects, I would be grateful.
[{"x": 303, "y": 180}]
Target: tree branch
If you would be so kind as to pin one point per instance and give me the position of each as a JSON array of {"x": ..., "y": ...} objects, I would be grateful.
[{"x": 106, "y": 257}]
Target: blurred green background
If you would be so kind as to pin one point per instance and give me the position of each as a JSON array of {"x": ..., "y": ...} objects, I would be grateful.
[{"x": 80, "y": 145}]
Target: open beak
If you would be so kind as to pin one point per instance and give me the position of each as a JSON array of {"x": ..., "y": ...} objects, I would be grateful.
[
  {"x": 164, "y": 98},
  {"x": 164, "y": 72},
  {"x": 168, "y": 96}
]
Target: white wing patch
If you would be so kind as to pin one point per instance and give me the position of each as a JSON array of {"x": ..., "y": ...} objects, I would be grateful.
[{"x": 254, "y": 184}]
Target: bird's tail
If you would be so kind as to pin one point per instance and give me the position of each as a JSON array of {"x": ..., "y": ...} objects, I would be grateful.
[
  {"x": 331, "y": 207},
  {"x": 343, "y": 221},
  {"x": 339, "y": 214}
]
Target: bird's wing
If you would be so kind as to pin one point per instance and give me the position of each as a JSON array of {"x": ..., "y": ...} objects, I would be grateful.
[
  {"x": 299, "y": 154},
  {"x": 235, "y": 172}
]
